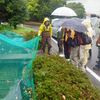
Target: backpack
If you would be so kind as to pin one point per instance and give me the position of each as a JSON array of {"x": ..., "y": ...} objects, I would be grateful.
[
  {"x": 73, "y": 42},
  {"x": 83, "y": 39},
  {"x": 86, "y": 39},
  {"x": 79, "y": 39}
]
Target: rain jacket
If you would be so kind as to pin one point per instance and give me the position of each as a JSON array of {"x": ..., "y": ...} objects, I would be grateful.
[
  {"x": 43, "y": 28},
  {"x": 72, "y": 35},
  {"x": 98, "y": 41},
  {"x": 60, "y": 33},
  {"x": 87, "y": 23}
]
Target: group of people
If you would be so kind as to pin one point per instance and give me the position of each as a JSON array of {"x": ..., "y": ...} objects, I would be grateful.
[
  {"x": 76, "y": 45},
  {"x": 97, "y": 66}
]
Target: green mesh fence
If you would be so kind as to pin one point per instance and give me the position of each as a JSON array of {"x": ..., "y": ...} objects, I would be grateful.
[{"x": 16, "y": 57}]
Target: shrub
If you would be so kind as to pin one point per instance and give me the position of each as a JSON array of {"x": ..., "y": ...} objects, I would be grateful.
[
  {"x": 56, "y": 79},
  {"x": 5, "y": 27},
  {"x": 29, "y": 35}
]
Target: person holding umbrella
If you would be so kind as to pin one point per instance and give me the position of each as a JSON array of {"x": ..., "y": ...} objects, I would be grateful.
[
  {"x": 60, "y": 34},
  {"x": 85, "y": 48},
  {"x": 75, "y": 49},
  {"x": 67, "y": 47},
  {"x": 68, "y": 36},
  {"x": 97, "y": 66},
  {"x": 45, "y": 31}
]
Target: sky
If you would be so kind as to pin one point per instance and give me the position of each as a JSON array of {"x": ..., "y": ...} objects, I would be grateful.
[{"x": 91, "y": 6}]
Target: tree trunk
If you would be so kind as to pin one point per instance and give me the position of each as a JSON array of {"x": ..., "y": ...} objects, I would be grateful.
[{"x": 15, "y": 26}]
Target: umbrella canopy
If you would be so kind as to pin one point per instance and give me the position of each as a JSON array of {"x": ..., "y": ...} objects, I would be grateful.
[
  {"x": 64, "y": 11},
  {"x": 75, "y": 24},
  {"x": 57, "y": 22}
]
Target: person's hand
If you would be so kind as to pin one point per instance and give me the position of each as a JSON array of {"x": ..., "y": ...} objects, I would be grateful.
[{"x": 38, "y": 34}]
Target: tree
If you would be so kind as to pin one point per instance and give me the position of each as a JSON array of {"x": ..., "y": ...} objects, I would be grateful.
[
  {"x": 42, "y": 8},
  {"x": 3, "y": 12},
  {"x": 32, "y": 7},
  {"x": 78, "y": 8},
  {"x": 15, "y": 11}
]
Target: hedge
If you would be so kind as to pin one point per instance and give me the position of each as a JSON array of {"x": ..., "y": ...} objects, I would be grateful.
[{"x": 57, "y": 79}]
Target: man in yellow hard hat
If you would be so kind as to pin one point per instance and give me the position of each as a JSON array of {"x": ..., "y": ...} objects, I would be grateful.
[{"x": 45, "y": 31}]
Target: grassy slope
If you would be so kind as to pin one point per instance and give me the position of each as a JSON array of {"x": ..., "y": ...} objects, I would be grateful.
[
  {"x": 55, "y": 78},
  {"x": 19, "y": 30}
]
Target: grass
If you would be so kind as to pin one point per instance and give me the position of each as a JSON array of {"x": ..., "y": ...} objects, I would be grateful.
[
  {"x": 27, "y": 32},
  {"x": 22, "y": 30},
  {"x": 19, "y": 29}
]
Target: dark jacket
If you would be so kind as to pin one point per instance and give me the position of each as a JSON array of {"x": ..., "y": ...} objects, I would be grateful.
[{"x": 98, "y": 41}]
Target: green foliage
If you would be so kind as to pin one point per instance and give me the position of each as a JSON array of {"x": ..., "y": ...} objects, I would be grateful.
[
  {"x": 3, "y": 12},
  {"x": 78, "y": 8},
  {"x": 13, "y": 11},
  {"x": 1, "y": 1},
  {"x": 42, "y": 8},
  {"x": 29, "y": 35},
  {"x": 31, "y": 6},
  {"x": 16, "y": 11},
  {"x": 19, "y": 30},
  {"x": 56, "y": 78},
  {"x": 5, "y": 27},
  {"x": 22, "y": 30}
]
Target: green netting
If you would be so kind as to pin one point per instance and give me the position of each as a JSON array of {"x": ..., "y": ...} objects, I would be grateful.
[{"x": 16, "y": 57}]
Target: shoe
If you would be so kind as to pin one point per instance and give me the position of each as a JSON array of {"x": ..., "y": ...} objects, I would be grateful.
[
  {"x": 98, "y": 65},
  {"x": 83, "y": 68},
  {"x": 49, "y": 54},
  {"x": 96, "y": 68},
  {"x": 98, "y": 62},
  {"x": 77, "y": 66},
  {"x": 68, "y": 60},
  {"x": 61, "y": 55}
]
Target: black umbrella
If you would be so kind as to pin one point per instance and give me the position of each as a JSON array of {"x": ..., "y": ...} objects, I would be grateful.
[{"x": 75, "y": 24}]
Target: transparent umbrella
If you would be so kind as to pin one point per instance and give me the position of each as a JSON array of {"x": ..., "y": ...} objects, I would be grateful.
[
  {"x": 75, "y": 24},
  {"x": 58, "y": 22},
  {"x": 64, "y": 11}
]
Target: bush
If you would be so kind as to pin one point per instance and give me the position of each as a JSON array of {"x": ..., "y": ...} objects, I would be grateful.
[
  {"x": 29, "y": 35},
  {"x": 5, "y": 27},
  {"x": 56, "y": 79}
]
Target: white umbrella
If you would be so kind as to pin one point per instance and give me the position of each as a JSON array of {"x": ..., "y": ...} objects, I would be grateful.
[{"x": 64, "y": 11}]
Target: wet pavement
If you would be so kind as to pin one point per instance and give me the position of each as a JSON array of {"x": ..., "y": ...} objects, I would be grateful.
[{"x": 94, "y": 58}]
